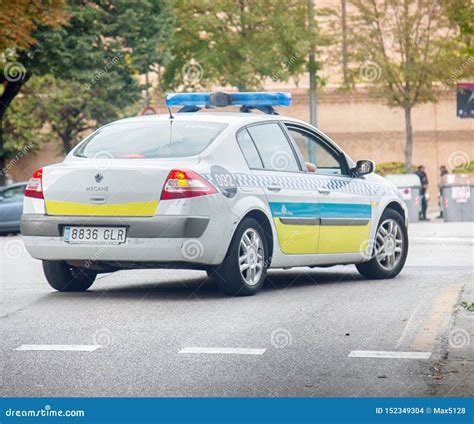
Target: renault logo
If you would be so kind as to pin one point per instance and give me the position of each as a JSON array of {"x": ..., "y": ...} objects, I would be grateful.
[{"x": 98, "y": 177}]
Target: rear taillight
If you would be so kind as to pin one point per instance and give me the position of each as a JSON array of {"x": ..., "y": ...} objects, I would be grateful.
[
  {"x": 34, "y": 187},
  {"x": 182, "y": 184}
]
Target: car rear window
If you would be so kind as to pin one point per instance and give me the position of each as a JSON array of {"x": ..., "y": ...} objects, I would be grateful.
[{"x": 162, "y": 139}]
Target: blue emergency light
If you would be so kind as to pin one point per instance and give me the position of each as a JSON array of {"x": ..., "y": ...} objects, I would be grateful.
[{"x": 192, "y": 102}]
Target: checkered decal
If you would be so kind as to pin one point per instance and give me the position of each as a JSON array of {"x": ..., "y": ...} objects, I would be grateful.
[{"x": 308, "y": 183}]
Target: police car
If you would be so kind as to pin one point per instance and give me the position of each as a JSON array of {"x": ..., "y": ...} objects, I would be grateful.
[{"x": 228, "y": 193}]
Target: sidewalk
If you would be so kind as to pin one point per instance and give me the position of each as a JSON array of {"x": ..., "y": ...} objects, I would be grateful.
[
  {"x": 431, "y": 243},
  {"x": 437, "y": 228},
  {"x": 453, "y": 375}
]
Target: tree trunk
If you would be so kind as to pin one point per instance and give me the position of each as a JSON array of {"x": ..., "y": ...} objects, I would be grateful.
[
  {"x": 11, "y": 89},
  {"x": 3, "y": 170},
  {"x": 409, "y": 139},
  {"x": 66, "y": 138},
  {"x": 345, "y": 70}
]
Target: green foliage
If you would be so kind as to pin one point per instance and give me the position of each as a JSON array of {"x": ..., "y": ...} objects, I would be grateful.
[
  {"x": 237, "y": 43},
  {"x": 467, "y": 168},
  {"x": 392, "y": 168},
  {"x": 412, "y": 47},
  {"x": 407, "y": 52},
  {"x": 91, "y": 64},
  {"x": 469, "y": 306},
  {"x": 461, "y": 14}
]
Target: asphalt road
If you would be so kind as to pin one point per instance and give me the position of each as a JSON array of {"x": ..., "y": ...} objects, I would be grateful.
[{"x": 297, "y": 335}]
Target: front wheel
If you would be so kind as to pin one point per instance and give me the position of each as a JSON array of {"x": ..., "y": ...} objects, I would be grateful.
[
  {"x": 67, "y": 278},
  {"x": 390, "y": 248},
  {"x": 244, "y": 269}
]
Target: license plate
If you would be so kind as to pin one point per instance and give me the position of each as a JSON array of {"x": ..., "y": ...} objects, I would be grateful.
[{"x": 95, "y": 235}]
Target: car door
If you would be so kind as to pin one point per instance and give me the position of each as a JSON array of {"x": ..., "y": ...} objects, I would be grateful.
[
  {"x": 11, "y": 205},
  {"x": 275, "y": 167},
  {"x": 345, "y": 205}
]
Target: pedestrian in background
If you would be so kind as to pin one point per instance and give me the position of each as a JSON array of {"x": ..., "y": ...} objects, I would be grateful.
[
  {"x": 442, "y": 171},
  {"x": 424, "y": 188}
]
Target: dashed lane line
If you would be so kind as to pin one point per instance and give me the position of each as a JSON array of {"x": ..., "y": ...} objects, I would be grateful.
[
  {"x": 383, "y": 354},
  {"x": 63, "y": 348},
  {"x": 222, "y": 350}
]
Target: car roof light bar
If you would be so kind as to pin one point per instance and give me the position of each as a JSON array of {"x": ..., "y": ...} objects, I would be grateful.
[{"x": 192, "y": 102}]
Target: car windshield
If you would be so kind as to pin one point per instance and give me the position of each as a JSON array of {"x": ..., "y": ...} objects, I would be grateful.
[{"x": 159, "y": 139}]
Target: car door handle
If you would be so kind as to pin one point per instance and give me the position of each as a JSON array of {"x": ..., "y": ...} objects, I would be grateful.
[
  {"x": 274, "y": 188},
  {"x": 324, "y": 190}
]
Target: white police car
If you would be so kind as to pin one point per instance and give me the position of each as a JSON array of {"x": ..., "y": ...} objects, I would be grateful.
[{"x": 229, "y": 193}]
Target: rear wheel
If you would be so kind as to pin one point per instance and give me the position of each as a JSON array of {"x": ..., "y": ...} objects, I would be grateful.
[
  {"x": 244, "y": 269},
  {"x": 66, "y": 278},
  {"x": 390, "y": 248}
]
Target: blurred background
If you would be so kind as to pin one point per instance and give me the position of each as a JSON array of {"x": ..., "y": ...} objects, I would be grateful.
[{"x": 390, "y": 81}]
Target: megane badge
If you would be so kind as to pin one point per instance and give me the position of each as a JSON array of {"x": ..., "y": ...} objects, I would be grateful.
[{"x": 98, "y": 177}]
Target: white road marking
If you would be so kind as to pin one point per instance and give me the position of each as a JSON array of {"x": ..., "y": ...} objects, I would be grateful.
[
  {"x": 411, "y": 322},
  {"x": 223, "y": 350},
  {"x": 383, "y": 354},
  {"x": 66, "y": 348}
]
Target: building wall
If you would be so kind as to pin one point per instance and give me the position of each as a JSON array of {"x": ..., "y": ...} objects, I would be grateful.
[{"x": 364, "y": 127}]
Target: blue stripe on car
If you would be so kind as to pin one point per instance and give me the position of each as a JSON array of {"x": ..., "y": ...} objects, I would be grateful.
[{"x": 325, "y": 210}]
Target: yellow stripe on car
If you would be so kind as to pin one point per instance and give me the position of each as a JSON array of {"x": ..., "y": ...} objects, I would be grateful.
[
  {"x": 343, "y": 238},
  {"x": 297, "y": 239},
  {"x": 54, "y": 207}
]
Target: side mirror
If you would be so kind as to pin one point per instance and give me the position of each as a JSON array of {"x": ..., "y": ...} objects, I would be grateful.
[{"x": 363, "y": 167}]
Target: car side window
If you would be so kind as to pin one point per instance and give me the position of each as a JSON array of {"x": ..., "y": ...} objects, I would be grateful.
[
  {"x": 13, "y": 193},
  {"x": 273, "y": 147},
  {"x": 328, "y": 162},
  {"x": 249, "y": 150}
]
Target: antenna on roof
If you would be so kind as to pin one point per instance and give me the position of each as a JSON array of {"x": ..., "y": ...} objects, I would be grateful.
[{"x": 169, "y": 110}]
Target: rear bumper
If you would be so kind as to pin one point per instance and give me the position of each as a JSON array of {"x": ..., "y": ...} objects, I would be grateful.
[
  {"x": 169, "y": 226},
  {"x": 159, "y": 239}
]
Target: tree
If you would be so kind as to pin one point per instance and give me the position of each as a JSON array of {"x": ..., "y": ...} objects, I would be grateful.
[
  {"x": 406, "y": 49},
  {"x": 344, "y": 45},
  {"x": 461, "y": 14},
  {"x": 18, "y": 21},
  {"x": 237, "y": 43},
  {"x": 92, "y": 63}
]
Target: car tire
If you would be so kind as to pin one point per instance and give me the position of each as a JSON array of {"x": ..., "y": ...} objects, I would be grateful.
[
  {"x": 239, "y": 276},
  {"x": 386, "y": 244},
  {"x": 65, "y": 278}
]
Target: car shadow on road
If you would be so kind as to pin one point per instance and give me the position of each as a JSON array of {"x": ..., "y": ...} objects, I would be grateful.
[
  {"x": 200, "y": 287},
  {"x": 282, "y": 280}
]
